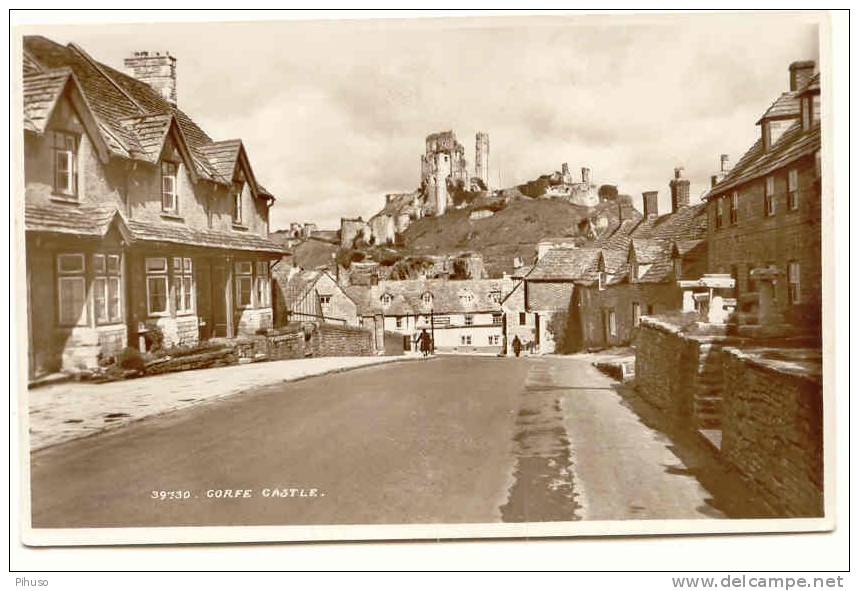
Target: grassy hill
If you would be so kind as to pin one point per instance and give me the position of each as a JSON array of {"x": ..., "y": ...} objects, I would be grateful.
[{"x": 511, "y": 231}]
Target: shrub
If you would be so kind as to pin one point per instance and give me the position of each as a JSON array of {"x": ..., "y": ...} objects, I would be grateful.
[
  {"x": 130, "y": 358},
  {"x": 154, "y": 339}
]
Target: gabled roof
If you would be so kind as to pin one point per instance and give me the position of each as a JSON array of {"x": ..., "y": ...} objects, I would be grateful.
[
  {"x": 649, "y": 250},
  {"x": 299, "y": 285},
  {"x": 41, "y": 93},
  {"x": 223, "y": 157},
  {"x": 565, "y": 264},
  {"x": 131, "y": 116},
  {"x": 784, "y": 107},
  {"x": 793, "y": 144},
  {"x": 407, "y": 296}
]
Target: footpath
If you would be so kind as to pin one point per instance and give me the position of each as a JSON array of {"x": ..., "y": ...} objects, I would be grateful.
[{"x": 70, "y": 410}]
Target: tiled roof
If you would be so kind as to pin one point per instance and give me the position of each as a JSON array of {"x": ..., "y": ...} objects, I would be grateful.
[
  {"x": 650, "y": 250},
  {"x": 296, "y": 288},
  {"x": 687, "y": 223},
  {"x": 179, "y": 233},
  {"x": 448, "y": 296},
  {"x": 784, "y": 107},
  {"x": 568, "y": 264},
  {"x": 94, "y": 220},
  {"x": 813, "y": 84},
  {"x": 223, "y": 157},
  {"x": 130, "y": 113},
  {"x": 41, "y": 91},
  {"x": 58, "y": 218},
  {"x": 792, "y": 145}
]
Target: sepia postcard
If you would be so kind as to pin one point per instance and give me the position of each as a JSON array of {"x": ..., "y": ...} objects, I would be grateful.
[{"x": 488, "y": 276}]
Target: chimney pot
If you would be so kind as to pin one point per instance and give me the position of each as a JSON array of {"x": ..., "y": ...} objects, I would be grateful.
[{"x": 651, "y": 203}]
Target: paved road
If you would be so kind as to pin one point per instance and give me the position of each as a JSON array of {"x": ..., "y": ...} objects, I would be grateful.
[{"x": 451, "y": 440}]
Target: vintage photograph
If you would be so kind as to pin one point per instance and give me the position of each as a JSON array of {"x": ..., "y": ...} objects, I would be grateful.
[{"x": 491, "y": 276}]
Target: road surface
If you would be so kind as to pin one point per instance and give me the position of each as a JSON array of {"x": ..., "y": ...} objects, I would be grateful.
[{"x": 444, "y": 440}]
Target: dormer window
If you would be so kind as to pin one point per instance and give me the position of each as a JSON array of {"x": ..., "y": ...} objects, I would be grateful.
[
  {"x": 466, "y": 297},
  {"x": 65, "y": 146},
  {"x": 386, "y": 299},
  {"x": 169, "y": 193},
  {"x": 237, "y": 202},
  {"x": 426, "y": 298}
]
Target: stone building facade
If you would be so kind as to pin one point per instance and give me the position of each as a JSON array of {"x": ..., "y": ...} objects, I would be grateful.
[
  {"x": 136, "y": 222},
  {"x": 767, "y": 211},
  {"x": 310, "y": 296}
]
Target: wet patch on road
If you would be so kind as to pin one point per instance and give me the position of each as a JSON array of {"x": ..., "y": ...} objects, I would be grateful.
[{"x": 543, "y": 485}]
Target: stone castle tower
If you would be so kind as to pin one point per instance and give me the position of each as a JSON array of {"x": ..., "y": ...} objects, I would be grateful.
[
  {"x": 481, "y": 158},
  {"x": 444, "y": 159}
]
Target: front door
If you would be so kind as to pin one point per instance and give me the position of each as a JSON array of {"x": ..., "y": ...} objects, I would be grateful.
[{"x": 219, "y": 303}]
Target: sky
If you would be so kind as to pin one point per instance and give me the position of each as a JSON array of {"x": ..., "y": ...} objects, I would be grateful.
[{"x": 334, "y": 114}]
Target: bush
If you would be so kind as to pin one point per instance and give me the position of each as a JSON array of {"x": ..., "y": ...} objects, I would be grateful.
[
  {"x": 154, "y": 339},
  {"x": 130, "y": 358}
]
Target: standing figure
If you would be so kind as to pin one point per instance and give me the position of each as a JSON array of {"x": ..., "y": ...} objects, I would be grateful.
[
  {"x": 426, "y": 343},
  {"x": 517, "y": 345}
]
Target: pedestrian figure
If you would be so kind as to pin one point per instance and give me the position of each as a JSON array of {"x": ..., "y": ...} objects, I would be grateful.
[
  {"x": 517, "y": 345},
  {"x": 425, "y": 343}
]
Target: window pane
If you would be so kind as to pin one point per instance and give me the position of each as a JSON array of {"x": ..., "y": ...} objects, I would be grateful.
[
  {"x": 113, "y": 299},
  {"x": 100, "y": 298},
  {"x": 187, "y": 263},
  {"x": 113, "y": 263},
  {"x": 187, "y": 289},
  {"x": 157, "y": 265},
  {"x": 157, "y": 294},
  {"x": 72, "y": 300},
  {"x": 70, "y": 263},
  {"x": 244, "y": 268},
  {"x": 177, "y": 264},
  {"x": 98, "y": 263}
]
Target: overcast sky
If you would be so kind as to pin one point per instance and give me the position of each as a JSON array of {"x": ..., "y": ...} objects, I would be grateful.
[{"x": 334, "y": 114}]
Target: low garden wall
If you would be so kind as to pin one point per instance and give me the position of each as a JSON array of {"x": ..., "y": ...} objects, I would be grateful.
[{"x": 772, "y": 431}]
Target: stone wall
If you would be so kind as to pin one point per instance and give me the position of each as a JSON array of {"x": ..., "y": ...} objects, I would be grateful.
[
  {"x": 309, "y": 340},
  {"x": 772, "y": 432}
]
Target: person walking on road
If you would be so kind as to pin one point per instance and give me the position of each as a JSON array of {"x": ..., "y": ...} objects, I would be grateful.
[
  {"x": 517, "y": 345},
  {"x": 425, "y": 343}
]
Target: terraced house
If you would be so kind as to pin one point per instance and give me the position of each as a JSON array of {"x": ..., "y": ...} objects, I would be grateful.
[
  {"x": 766, "y": 213},
  {"x": 137, "y": 222}
]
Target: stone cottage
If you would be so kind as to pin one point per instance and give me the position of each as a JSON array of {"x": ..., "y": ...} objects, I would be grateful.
[{"x": 137, "y": 222}]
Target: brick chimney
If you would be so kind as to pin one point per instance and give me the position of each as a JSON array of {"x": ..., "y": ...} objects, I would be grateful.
[
  {"x": 157, "y": 69},
  {"x": 651, "y": 203},
  {"x": 800, "y": 74},
  {"x": 679, "y": 190}
]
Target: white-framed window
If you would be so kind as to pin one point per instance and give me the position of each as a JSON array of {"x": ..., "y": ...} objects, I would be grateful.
[
  {"x": 495, "y": 296},
  {"x": 107, "y": 296},
  {"x": 793, "y": 189},
  {"x": 769, "y": 196},
  {"x": 71, "y": 289},
  {"x": 156, "y": 286},
  {"x": 183, "y": 280},
  {"x": 169, "y": 187},
  {"x": 426, "y": 299},
  {"x": 734, "y": 207},
  {"x": 612, "y": 324},
  {"x": 636, "y": 313},
  {"x": 793, "y": 282},
  {"x": 65, "y": 148},
  {"x": 263, "y": 286},
  {"x": 325, "y": 300},
  {"x": 465, "y": 339},
  {"x": 494, "y": 339},
  {"x": 237, "y": 202},
  {"x": 244, "y": 284},
  {"x": 466, "y": 297},
  {"x": 602, "y": 278},
  {"x": 497, "y": 319},
  {"x": 469, "y": 320},
  {"x": 386, "y": 299}
]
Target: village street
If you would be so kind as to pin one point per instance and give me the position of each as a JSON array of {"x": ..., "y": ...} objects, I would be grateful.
[{"x": 449, "y": 439}]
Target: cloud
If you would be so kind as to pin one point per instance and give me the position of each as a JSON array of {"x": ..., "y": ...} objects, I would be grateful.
[{"x": 334, "y": 114}]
